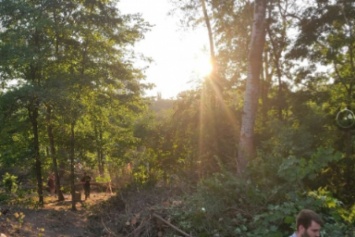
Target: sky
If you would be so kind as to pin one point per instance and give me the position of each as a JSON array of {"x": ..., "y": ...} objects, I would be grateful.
[{"x": 180, "y": 55}]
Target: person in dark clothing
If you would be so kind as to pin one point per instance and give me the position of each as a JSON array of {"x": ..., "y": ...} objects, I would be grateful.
[{"x": 86, "y": 184}]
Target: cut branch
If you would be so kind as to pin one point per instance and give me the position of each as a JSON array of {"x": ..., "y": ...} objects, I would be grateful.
[{"x": 171, "y": 225}]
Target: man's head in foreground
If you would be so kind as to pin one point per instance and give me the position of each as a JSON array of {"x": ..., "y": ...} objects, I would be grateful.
[{"x": 308, "y": 224}]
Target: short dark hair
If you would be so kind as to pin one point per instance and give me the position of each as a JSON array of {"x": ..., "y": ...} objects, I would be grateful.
[{"x": 305, "y": 218}]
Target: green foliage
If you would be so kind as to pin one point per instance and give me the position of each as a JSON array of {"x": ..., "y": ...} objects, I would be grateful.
[
  {"x": 146, "y": 171},
  {"x": 9, "y": 182},
  {"x": 74, "y": 70},
  {"x": 77, "y": 93},
  {"x": 266, "y": 202},
  {"x": 229, "y": 206},
  {"x": 295, "y": 169},
  {"x": 103, "y": 179}
]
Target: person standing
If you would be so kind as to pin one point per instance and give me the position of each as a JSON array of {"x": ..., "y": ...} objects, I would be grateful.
[
  {"x": 308, "y": 224},
  {"x": 86, "y": 184}
]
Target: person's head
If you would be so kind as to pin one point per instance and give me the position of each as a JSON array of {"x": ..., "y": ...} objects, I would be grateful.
[{"x": 308, "y": 223}]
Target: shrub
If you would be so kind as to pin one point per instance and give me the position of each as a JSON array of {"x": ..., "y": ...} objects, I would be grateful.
[
  {"x": 264, "y": 205},
  {"x": 9, "y": 182}
]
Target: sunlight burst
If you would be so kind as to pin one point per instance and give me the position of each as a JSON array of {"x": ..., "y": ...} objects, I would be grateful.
[{"x": 203, "y": 66}]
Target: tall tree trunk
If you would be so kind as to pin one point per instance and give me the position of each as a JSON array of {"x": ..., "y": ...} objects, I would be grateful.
[
  {"x": 246, "y": 148},
  {"x": 72, "y": 174},
  {"x": 212, "y": 106},
  {"x": 53, "y": 153},
  {"x": 33, "y": 115},
  {"x": 209, "y": 29},
  {"x": 100, "y": 153},
  {"x": 100, "y": 159}
]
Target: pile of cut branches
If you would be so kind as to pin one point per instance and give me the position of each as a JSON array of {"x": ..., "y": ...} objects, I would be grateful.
[{"x": 137, "y": 213}]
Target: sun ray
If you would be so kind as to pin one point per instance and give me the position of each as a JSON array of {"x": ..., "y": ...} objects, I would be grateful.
[{"x": 211, "y": 96}]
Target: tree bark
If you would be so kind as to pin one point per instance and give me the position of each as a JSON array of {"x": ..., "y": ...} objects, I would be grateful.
[
  {"x": 99, "y": 151},
  {"x": 33, "y": 115},
  {"x": 72, "y": 174},
  {"x": 246, "y": 148},
  {"x": 53, "y": 153},
  {"x": 209, "y": 140},
  {"x": 213, "y": 117},
  {"x": 209, "y": 29}
]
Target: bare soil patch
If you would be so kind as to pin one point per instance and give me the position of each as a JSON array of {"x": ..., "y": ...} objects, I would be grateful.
[
  {"x": 54, "y": 219},
  {"x": 136, "y": 213}
]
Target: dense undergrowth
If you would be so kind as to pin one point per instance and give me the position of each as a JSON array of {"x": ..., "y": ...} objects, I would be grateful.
[
  {"x": 227, "y": 206},
  {"x": 222, "y": 205},
  {"x": 264, "y": 202}
]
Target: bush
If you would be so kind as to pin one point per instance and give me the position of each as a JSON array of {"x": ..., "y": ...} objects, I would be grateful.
[
  {"x": 266, "y": 200},
  {"x": 9, "y": 182}
]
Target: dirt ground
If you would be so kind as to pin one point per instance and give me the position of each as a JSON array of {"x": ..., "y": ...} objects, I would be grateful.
[
  {"x": 54, "y": 219},
  {"x": 131, "y": 212}
]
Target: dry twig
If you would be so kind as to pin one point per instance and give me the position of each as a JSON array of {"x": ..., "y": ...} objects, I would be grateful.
[
  {"x": 137, "y": 230},
  {"x": 107, "y": 229}
]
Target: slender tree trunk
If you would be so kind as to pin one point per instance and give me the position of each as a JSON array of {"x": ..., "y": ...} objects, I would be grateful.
[
  {"x": 212, "y": 116},
  {"x": 34, "y": 74},
  {"x": 209, "y": 29},
  {"x": 246, "y": 148},
  {"x": 99, "y": 151},
  {"x": 72, "y": 174},
  {"x": 33, "y": 115},
  {"x": 214, "y": 73},
  {"x": 53, "y": 153},
  {"x": 265, "y": 84},
  {"x": 49, "y": 112},
  {"x": 100, "y": 161}
]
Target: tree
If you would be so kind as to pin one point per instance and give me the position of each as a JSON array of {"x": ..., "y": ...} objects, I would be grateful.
[
  {"x": 53, "y": 152},
  {"x": 24, "y": 57},
  {"x": 58, "y": 52},
  {"x": 326, "y": 41},
  {"x": 246, "y": 148}
]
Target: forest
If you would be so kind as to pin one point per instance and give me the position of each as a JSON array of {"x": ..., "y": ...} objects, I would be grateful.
[{"x": 268, "y": 132}]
